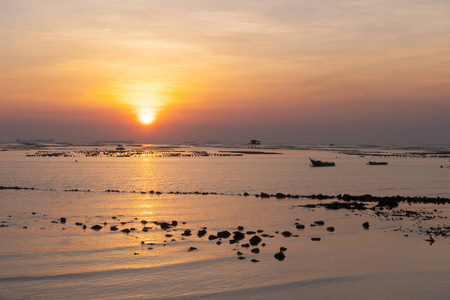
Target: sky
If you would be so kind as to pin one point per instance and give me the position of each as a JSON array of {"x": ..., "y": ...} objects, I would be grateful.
[{"x": 288, "y": 71}]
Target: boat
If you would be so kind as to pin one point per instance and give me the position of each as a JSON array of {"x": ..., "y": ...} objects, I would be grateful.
[
  {"x": 319, "y": 163},
  {"x": 377, "y": 163}
]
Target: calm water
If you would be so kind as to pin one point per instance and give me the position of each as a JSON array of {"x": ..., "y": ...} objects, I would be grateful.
[{"x": 49, "y": 260}]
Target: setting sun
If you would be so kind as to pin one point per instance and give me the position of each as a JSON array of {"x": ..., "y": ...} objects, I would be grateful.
[{"x": 146, "y": 117}]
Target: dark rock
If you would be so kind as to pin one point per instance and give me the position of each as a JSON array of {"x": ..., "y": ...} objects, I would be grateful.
[
  {"x": 264, "y": 195},
  {"x": 232, "y": 242},
  {"x": 330, "y": 229},
  {"x": 263, "y": 244},
  {"x": 79, "y": 224},
  {"x": 260, "y": 231},
  {"x": 113, "y": 228},
  {"x": 240, "y": 228},
  {"x": 63, "y": 220},
  {"x": 387, "y": 203},
  {"x": 241, "y": 257},
  {"x": 187, "y": 232},
  {"x": 174, "y": 223},
  {"x": 246, "y": 194},
  {"x": 223, "y": 234},
  {"x": 250, "y": 232},
  {"x": 366, "y": 225},
  {"x": 254, "y": 260},
  {"x": 300, "y": 226},
  {"x": 96, "y": 227},
  {"x": 201, "y": 233},
  {"x": 255, "y": 250},
  {"x": 315, "y": 239},
  {"x": 280, "y": 256},
  {"x": 238, "y": 236},
  {"x": 192, "y": 249},
  {"x": 245, "y": 245},
  {"x": 84, "y": 226},
  {"x": 239, "y": 253},
  {"x": 169, "y": 235},
  {"x": 219, "y": 243},
  {"x": 320, "y": 223},
  {"x": 280, "y": 196},
  {"x": 282, "y": 249},
  {"x": 286, "y": 233},
  {"x": 165, "y": 225},
  {"x": 126, "y": 230},
  {"x": 255, "y": 240},
  {"x": 212, "y": 237}
]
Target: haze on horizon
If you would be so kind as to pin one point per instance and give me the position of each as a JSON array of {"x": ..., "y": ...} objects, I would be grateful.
[{"x": 291, "y": 71}]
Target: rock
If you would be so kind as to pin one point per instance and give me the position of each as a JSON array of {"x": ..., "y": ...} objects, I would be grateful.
[
  {"x": 219, "y": 243},
  {"x": 254, "y": 260},
  {"x": 84, "y": 226},
  {"x": 264, "y": 195},
  {"x": 192, "y": 249},
  {"x": 201, "y": 233},
  {"x": 300, "y": 226},
  {"x": 240, "y": 228},
  {"x": 245, "y": 245},
  {"x": 62, "y": 220},
  {"x": 113, "y": 228},
  {"x": 174, "y": 223},
  {"x": 280, "y": 196},
  {"x": 232, "y": 242},
  {"x": 169, "y": 235},
  {"x": 320, "y": 223},
  {"x": 387, "y": 203},
  {"x": 282, "y": 249},
  {"x": 165, "y": 225},
  {"x": 126, "y": 230},
  {"x": 286, "y": 233},
  {"x": 144, "y": 222},
  {"x": 187, "y": 232},
  {"x": 255, "y": 240},
  {"x": 316, "y": 239},
  {"x": 238, "y": 236},
  {"x": 239, "y": 253},
  {"x": 223, "y": 234},
  {"x": 255, "y": 250},
  {"x": 250, "y": 232},
  {"x": 330, "y": 229},
  {"x": 366, "y": 225},
  {"x": 79, "y": 224},
  {"x": 212, "y": 237},
  {"x": 241, "y": 257},
  {"x": 263, "y": 244},
  {"x": 96, "y": 227},
  {"x": 280, "y": 256}
]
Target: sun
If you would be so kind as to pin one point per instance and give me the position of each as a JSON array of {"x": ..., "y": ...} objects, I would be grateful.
[{"x": 146, "y": 117}]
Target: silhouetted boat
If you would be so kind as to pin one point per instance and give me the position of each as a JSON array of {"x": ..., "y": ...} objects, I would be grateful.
[
  {"x": 377, "y": 163},
  {"x": 319, "y": 163}
]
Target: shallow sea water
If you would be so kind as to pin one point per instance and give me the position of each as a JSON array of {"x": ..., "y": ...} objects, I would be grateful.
[{"x": 49, "y": 260}]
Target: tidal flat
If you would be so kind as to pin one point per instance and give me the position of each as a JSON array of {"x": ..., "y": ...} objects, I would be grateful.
[{"x": 203, "y": 227}]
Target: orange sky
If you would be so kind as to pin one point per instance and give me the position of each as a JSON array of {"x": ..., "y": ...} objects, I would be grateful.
[{"x": 279, "y": 71}]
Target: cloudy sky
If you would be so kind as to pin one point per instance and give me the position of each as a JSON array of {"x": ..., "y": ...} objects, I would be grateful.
[{"x": 323, "y": 71}]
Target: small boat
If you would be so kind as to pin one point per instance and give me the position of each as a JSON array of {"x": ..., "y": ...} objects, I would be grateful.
[
  {"x": 377, "y": 163},
  {"x": 319, "y": 163}
]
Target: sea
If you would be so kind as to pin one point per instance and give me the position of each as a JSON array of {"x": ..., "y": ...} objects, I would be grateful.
[{"x": 93, "y": 223}]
